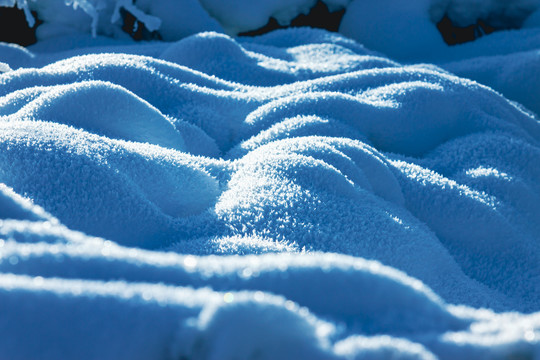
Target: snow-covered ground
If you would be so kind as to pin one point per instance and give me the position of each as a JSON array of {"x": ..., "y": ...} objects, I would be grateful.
[{"x": 297, "y": 195}]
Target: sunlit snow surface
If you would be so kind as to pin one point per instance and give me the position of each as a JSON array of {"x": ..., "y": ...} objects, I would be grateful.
[{"x": 381, "y": 211}]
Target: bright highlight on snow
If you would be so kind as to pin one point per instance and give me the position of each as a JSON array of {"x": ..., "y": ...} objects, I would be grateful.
[{"x": 297, "y": 195}]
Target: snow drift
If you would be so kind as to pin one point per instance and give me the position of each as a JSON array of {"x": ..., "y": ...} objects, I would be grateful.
[{"x": 381, "y": 210}]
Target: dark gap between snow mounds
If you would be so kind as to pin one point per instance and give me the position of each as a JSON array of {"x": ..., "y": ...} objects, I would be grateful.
[
  {"x": 454, "y": 35},
  {"x": 318, "y": 17},
  {"x": 136, "y": 29},
  {"x": 15, "y": 29}
]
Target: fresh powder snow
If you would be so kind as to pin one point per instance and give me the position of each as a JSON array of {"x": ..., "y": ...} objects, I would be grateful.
[{"x": 367, "y": 194}]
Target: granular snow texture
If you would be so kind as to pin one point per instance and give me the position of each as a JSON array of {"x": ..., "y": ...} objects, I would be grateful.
[{"x": 379, "y": 210}]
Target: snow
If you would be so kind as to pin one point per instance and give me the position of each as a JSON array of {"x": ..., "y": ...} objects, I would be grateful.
[
  {"x": 498, "y": 13},
  {"x": 412, "y": 32},
  {"x": 178, "y": 18},
  {"x": 411, "y": 23},
  {"x": 297, "y": 195}
]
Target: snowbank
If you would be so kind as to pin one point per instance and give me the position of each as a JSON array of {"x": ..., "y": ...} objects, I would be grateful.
[{"x": 381, "y": 210}]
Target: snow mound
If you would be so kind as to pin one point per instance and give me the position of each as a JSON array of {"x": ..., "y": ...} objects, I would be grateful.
[
  {"x": 360, "y": 208},
  {"x": 105, "y": 109}
]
